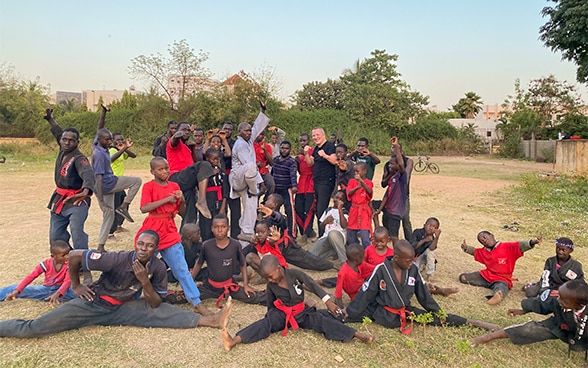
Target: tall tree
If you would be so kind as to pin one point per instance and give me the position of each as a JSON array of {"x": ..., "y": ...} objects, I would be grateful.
[
  {"x": 469, "y": 106},
  {"x": 321, "y": 95},
  {"x": 566, "y": 31},
  {"x": 178, "y": 74}
]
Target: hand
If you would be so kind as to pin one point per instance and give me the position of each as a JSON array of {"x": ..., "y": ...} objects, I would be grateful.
[
  {"x": 294, "y": 190},
  {"x": 222, "y": 134},
  {"x": 339, "y": 302},
  {"x": 54, "y": 298},
  {"x": 129, "y": 142},
  {"x": 357, "y": 178},
  {"x": 539, "y": 240},
  {"x": 262, "y": 188},
  {"x": 274, "y": 234},
  {"x": 464, "y": 246},
  {"x": 366, "y": 152},
  {"x": 322, "y": 153},
  {"x": 76, "y": 198},
  {"x": 272, "y": 128},
  {"x": 376, "y": 213},
  {"x": 329, "y": 220},
  {"x": 515, "y": 312},
  {"x": 342, "y": 165},
  {"x": 84, "y": 292},
  {"x": 437, "y": 232},
  {"x": 338, "y": 204},
  {"x": 249, "y": 290},
  {"x": 48, "y": 114},
  {"x": 263, "y": 106},
  {"x": 12, "y": 295},
  {"x": 164, "y": 139},
  {"x": 333, "y": 308},
  {"x": 140, "y": 272},
  {"x": 209, "y": 135},
  {"x": 105, "y": 108},
  {"x": 267, "y": 212},
  {"x": 306, "y": 149},
  {"x": 215, "y": 131},
  {"x": 394, "y": 140},
  {"x": 178, "y": 134}
]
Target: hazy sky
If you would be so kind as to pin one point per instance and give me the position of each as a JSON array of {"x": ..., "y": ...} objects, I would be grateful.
[{"x": 445, "y": 47}]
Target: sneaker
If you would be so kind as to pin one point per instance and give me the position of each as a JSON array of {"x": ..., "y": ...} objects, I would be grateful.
[{"x": 124, "y": 213}]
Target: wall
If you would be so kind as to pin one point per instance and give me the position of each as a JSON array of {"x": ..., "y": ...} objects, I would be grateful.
[
  {"x": 571, "y": 156},
  {"x": 533, "y": 149}
]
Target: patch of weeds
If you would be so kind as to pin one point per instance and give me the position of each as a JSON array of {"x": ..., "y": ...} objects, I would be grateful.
[{"x": 463, "y": 346}]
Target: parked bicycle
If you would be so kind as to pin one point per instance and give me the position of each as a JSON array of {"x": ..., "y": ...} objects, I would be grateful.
[{"x": 423, "y": 164}]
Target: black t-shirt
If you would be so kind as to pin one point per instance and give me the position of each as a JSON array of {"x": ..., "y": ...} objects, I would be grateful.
[
  {"x": 222, "y": 264},
  {"x": 323, "y": 171}
]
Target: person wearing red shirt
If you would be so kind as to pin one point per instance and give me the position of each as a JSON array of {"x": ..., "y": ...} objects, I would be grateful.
[
  {"x": 352, "y": 274},
  {"x": 500, "y": 259},
  {"x": 304, "y": 202},
  {"x": 360, "y": 191},
  {"x": 264, "y": 156},
  {"x": 379, "y": 251}
]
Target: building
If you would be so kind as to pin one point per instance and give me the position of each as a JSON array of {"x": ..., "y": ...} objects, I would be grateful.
[
  {"x": 485, "y": 128},
  {"x": 91, "y": 97}
]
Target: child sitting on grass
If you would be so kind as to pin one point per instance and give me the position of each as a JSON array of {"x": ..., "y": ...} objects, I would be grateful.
[
  {"x": 425, "y": 242},
  {"x": 377, "y": 252},
  {"x": 56, "y": 286},
  {"x": 352, "y": 274}
]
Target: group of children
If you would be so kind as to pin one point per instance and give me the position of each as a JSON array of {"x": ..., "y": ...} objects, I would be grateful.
[{"x": 379, "y": 280}]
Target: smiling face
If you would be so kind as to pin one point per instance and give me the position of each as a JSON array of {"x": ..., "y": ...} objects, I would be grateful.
[
  {"x": 118, "y": 140},
  {"x": 215, "y": 142},
  {"x": 318, "y": 136},
  {"x": 146, "y": 246},
  {"x": 381, "y": 241},
  {"x": 486, "y": 239}
]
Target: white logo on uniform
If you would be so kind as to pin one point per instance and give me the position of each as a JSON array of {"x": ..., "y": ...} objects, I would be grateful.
[{"x": 411, "y": 281}]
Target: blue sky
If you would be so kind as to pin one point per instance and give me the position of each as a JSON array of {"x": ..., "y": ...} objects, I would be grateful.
[{"x": 445, "y": 47}]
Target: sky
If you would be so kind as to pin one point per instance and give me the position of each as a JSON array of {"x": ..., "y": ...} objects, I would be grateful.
[{"x": 445, "y": 48}]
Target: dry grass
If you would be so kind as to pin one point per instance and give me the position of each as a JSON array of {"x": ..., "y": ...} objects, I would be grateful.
[{"x": 468, "y": 196}]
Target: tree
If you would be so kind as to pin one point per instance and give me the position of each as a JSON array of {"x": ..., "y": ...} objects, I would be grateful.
[
  {"x": 320, "y": 95},
  {"x": 127, "y": 101},
  {"x": 469, "y": 106},
  {"x": 565, "y": 31},
  {"x": 375, "y": 94},
  {"x": 177, "y": 75}
]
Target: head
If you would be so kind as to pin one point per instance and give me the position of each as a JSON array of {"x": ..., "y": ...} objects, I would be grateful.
[
  {"x": 198, "y": 135},
  {"x": 486, "y": 238},
  {"x": 285, "y": 149},
  {"x": 262, "y": 231},
  {"x": 59, "y": 250},
  {"x": 146, "y": 245},
  {"x": 303, "y": 140},
  {"x": 339, "y": 196},
  {"x": 104, "y": 138},
  {"x": 381, "y": 238},
  {"x": 403, "y": 254},
  {"x": 190, "y": 232},
  {"x": 431, "y": 225},
  {"x": 260, "y": 137},
  {"x": 274, "y": 138},
  {"x": 70, "y": 138},
  {"x": 563, "y": 249},
  {"x": 274, "y": 201},
  {"x": 573, "y": 294},
  {"x": 333, "y": 138},
  {"x": 341, "y": 151},
  {"x": 244, "y": 131},
  {"x": 228, "y": 129},
  {"x": 271, "y": 269},
  {"x": 220, "y": 226},
  {"x": 118, "y": 139},
  {"x": 185, "y": 129},
  {"x": 216, "y": 142},
  {"x": 362, "y": 144},
  {"x": 318, "y": 136},
  {"x": 213, "y": 157},
  {"x": 172, "y": 127},
  {"x": 159, "y": 168},
  {"x": 355, "y": 254},
  {"x": 360, "y": 169},
  {"x": 394, "y": 167}
]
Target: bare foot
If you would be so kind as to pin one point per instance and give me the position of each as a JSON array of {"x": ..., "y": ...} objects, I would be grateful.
[
  {"x": 479, "y": 340},
  {"x": 224, "y": 314},
  {"x": 201, "y": 309},
  {"x": 227, "y": 339},
  {"x": 363, "y": 337},
  {"x": 496, "y": 298},
  {"x": 436, "y": 290},
  {"x": 203, "y": 208}
]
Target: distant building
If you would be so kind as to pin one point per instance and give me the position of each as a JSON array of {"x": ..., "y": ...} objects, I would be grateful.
[
  {"x": 485, "y": 128},
  {"x": 190, "y": 85},
  {"x": 90, "y": 97},
  {"x": 493, "y": 112}
]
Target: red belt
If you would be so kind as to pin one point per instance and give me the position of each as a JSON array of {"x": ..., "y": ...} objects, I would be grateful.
[
  {"x": 227, "y": 285},
  {"x": 290, "y": 313},
  {"x": 218, "y": 189},
  {"x": 170, "y": 215},
  {"x": 111, "y": 300},
  {"x": 402, "y": 313},
  {"x": 65, "y": 193}
]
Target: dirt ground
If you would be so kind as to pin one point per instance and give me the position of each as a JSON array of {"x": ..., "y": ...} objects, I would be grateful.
[{"x": 464, "y": 203}]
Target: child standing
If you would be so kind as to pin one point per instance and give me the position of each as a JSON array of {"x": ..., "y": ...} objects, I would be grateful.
[
  {"x": 285, "y": 306},
  {"x": 425, "y": 242},
  {"x": 360, "y": 192},
  {"x": 363, "y": 154},
  {"x": 500, "y": 259},
  {"x": 217, "y": 193},
  {"x": 557, "y": 270},
  {"x": 344, "y": 167},
  {"x": 56, "y": 286},
  {"x": 163, "y": 200}
]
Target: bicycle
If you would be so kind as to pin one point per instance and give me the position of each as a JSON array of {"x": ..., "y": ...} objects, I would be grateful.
[{"x": 423, "y": 164}]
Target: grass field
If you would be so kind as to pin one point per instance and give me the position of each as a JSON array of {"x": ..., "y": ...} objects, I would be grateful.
[{"x": 469, "y": 195}]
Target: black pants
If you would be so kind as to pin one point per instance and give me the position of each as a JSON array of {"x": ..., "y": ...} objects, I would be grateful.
[
  {"x": 235, "y": 215},
  {"x": 305, "y": 206},
  {"x": 188, "y": 180},
  {"x": 119, "y": 197},
  {"x": 302, "y": 258}
]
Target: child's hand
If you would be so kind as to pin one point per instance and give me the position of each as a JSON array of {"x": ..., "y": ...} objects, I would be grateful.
[
  {"x": 464, "y": 246},
  {"x": 54, "y": 298},
  {"x": 329, "y": 220},
  {"x": 267, "y": 212},
  {"x": 12, "y": 295},
  {"x": 539, "y": 240},
  {"x": 178, "y": 194},
  {"x": 515, "y": 312},
  {"x": 129, "y": 142},
  {"x": 272, "y": 128},
  {"x": 209, "y": 134},
  {"x": 274, "y": 234},
  {"x": 338, "y": 204},
  {"x": 437, "y": 232},
  {"x": 394, "y": 140}
]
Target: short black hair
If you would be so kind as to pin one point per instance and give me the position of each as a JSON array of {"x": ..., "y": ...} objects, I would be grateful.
[
  {"x": 211, "y": 151},
  {"x": 342, "y": 145},
  {"x": 580, "y": 289},
  {"x": 72, "y": 130},
  {"x": 58, "y": 245},
  {"x": 221, "y": 216},
  {"x": 170, "y": 123},
  {"x": 304, "y": 135},
  {"x": 286, "y": 142},
  {"x": 433, "y": 219},
  {"x": 277, "y": 198},
  {"x": 153, "y": 233},
  {"x": 364, "y": 139}
]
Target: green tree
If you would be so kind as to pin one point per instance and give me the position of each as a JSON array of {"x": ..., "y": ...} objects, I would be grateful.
[
  {"x": 469, "y": 106},
  {"x": 127, "y": 101},
  {"x": 320, "y": 95},
  {"x": 183, "y": 65},
  {"x": 565, "y": 31}
]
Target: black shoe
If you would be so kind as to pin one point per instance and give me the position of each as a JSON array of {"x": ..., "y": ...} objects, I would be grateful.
[{"x": 124, "y": 213}]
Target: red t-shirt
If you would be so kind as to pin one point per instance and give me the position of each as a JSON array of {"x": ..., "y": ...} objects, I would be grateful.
[
  {"x": 260, "y": 157},
  {"x": 373, "y": 258},
  {"x": 52, "y": 277},
  {"x": 161, "y": 219},
  {"x": 266, "y": 248},
  {"x": 500, "y": 261},
  {"x": 178, "y": 157},
  {"x": 350, "y": 281},
  {"x": 305, "y": 183},
  {"x": 360, "y": 213}
]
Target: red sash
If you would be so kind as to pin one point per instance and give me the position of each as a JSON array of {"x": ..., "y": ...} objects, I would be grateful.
[
  {"x": 219, "y": 192},
  {"x": 290, "y": 313},
  {"x": 111, "y": 300},
  {"x": 170, "y": 215},
  {"x": 65, "y": 193},
  {"x": 228, "y": 285},
  {"x": 402, "y": 313}
]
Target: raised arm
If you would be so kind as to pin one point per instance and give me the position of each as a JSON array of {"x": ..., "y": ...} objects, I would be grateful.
[{"x": 102, "y": 118}]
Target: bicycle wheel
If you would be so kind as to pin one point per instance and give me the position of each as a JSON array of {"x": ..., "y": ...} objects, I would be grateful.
[
  {"x": 434, "y": 168},
  {"x": 420, "y": 166}
]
